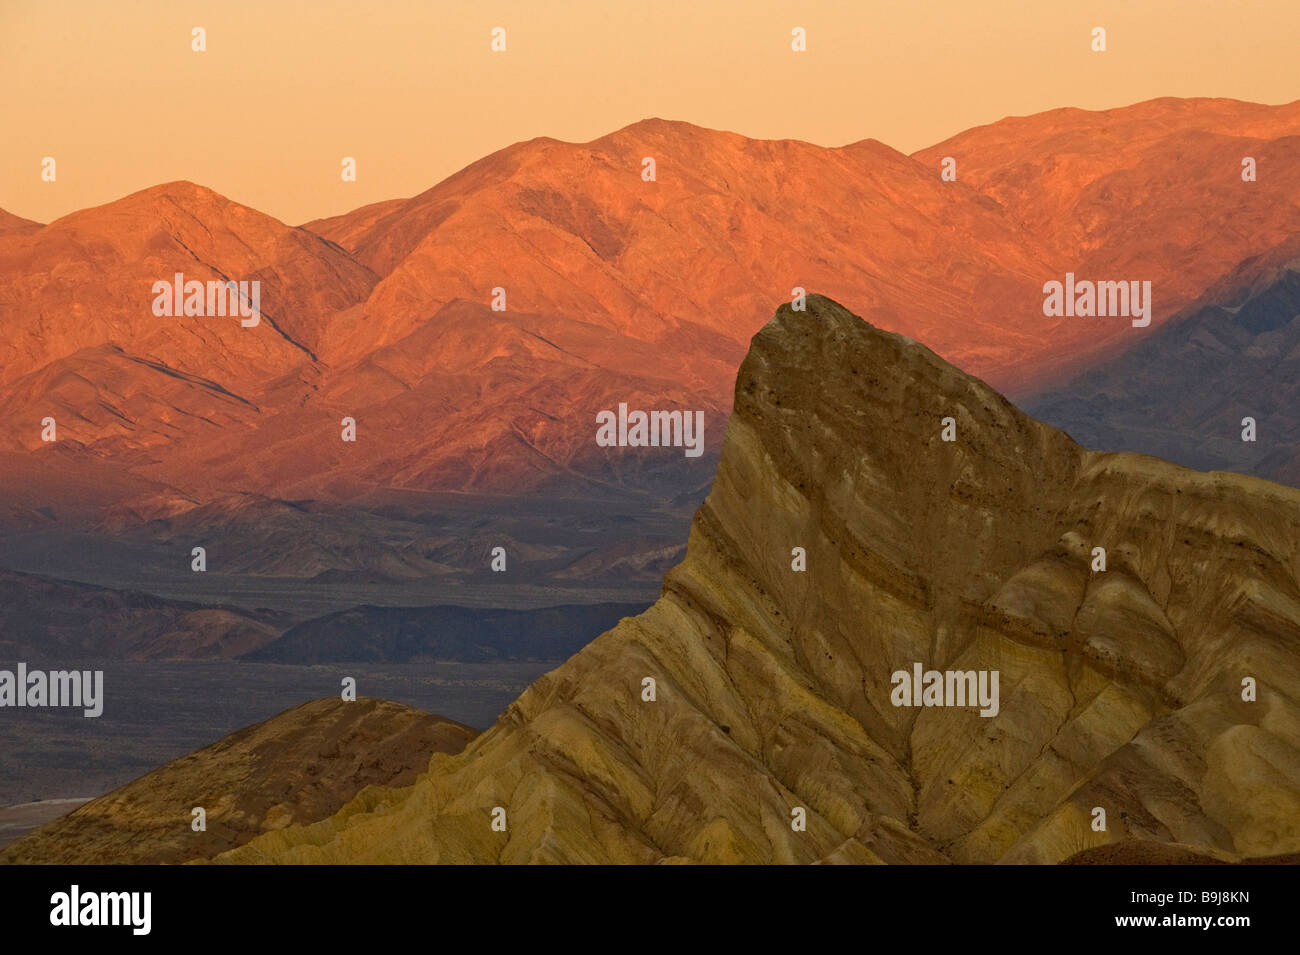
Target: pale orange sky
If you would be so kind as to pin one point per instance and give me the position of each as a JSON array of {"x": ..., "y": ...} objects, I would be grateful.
[{"x": 412, "y": 90}]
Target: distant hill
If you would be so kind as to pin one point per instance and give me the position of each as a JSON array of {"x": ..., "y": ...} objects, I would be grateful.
[
  {"x": 42, "y": 619},
  {"x": 406, "y": 634},
  {"x": 297, "y": 767}
]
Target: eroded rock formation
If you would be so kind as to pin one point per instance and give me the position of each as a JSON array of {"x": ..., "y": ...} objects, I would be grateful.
[{"x": 1120, "y": 689}]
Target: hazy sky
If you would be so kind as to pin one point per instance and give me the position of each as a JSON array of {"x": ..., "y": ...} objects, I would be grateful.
[{"x": 411, "y": 88}]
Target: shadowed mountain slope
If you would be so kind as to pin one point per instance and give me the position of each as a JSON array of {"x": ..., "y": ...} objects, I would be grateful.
[
  {"x": 406, "y": 634},
  {"x": 42, "y": 619},
  {"x": 1145, "y": 852},
  {"x": 1184, "y": 393}
]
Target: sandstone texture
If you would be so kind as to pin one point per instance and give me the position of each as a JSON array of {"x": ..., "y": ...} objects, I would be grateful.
[{"x": 1120, "y": 689}]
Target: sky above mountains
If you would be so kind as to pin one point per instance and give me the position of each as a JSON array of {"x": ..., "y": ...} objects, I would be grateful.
[{"x": 413, "y": 91}]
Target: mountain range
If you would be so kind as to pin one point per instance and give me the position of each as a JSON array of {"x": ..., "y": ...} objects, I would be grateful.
[{"x": 617, "y": 290}]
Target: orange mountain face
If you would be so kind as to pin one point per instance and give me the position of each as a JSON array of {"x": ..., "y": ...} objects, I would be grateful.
[
  {"x": 11, "y": 224},
  {"x": 1152, "y": 192},
  {"x": 616, "y": 290}
]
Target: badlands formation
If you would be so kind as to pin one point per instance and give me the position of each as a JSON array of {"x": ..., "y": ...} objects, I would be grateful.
[{"x": 1158, "y": 690}]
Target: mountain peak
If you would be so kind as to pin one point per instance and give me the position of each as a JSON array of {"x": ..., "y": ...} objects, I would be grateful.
[
  {"x": 199, "y": 200},
  {"x": 659, "y": 124},
  {"x": 646, "y": 277},
  {"x": 932, "y": 526}
]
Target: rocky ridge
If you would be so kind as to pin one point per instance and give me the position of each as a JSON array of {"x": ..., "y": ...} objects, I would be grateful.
[{"x": 1120, "y": 689}]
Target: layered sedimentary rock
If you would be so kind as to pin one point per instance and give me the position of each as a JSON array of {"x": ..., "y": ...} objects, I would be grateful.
[
  {"x": 1120, "y": 689},
  {"x": 297, "y": 767}
]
